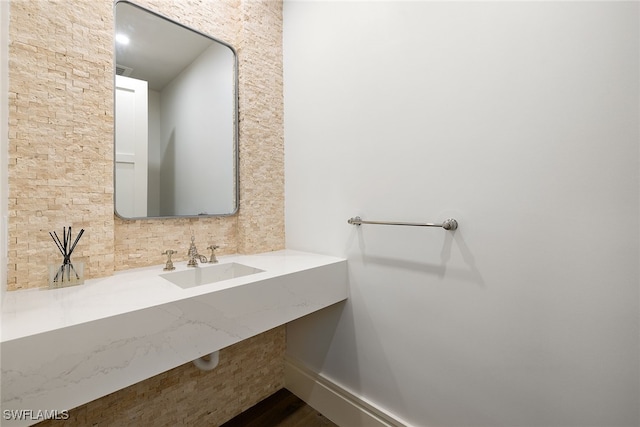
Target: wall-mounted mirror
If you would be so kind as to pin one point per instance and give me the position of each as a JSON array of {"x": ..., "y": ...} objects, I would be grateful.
[{"x": 176, "y": 119}]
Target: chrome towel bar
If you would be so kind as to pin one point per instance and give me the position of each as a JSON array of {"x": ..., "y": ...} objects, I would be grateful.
[{"x": 448, "y": 224}]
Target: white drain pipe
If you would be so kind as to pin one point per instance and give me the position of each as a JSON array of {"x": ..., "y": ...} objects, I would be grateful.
[{"x": 207, "y": 363}]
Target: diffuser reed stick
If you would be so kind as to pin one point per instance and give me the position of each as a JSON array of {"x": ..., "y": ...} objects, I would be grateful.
[{"x": 66, "y": 249}]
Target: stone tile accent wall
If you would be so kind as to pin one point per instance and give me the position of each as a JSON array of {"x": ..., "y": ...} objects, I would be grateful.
[
  {"x": 61, "y": 136},
  {"x": 61, "y": 174},
  {"x": 186, "y": 396},
  {"x": 261, "y": 221},
  {"x": 141, "y": 242}
]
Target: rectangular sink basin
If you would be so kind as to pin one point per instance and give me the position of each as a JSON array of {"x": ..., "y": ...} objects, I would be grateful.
[{"x": 198, "y": 276}]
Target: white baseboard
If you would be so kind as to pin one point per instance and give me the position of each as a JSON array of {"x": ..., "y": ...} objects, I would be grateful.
[{"x": 334, "y": 402}]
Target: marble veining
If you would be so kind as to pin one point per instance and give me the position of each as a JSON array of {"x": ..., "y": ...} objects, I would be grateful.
[{"x": 65, "y": 347}]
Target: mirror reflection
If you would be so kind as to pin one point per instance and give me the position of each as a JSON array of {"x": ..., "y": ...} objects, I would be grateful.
[{"x": 175, "y": 119}]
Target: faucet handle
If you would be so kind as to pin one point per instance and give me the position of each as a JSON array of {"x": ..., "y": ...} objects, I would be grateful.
[
  {"x": 213, "y": 258},
  {"x": 169, "y": 265}
]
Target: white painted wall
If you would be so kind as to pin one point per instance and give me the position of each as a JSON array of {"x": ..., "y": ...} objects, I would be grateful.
[
  {"x": 155, "y": 154},
  {"x": 197, "y": 172},
  {"x": 520, "y": 119}
]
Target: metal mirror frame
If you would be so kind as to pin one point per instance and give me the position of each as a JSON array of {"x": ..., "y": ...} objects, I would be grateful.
[{"x": 236, "y": 117}]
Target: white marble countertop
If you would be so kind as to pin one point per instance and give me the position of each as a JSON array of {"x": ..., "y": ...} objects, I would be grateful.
[
  {"x": 34, "y": 311},
  {"x": 133, "y": 325}
]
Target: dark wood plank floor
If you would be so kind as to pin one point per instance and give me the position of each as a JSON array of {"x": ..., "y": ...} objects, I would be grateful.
[{"x": 282, "y": 409}]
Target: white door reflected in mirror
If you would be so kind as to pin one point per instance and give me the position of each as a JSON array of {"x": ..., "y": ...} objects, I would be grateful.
[{"x": 131, "y": 117}]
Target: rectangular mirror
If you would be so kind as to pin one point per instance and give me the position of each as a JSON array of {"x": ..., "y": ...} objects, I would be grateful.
[{"x": 176, "y": 119}]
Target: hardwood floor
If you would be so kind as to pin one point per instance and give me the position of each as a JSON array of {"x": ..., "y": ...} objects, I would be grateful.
[{"x": 282, "y": 409}]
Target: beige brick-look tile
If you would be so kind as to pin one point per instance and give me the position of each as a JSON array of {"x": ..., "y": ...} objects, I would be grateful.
[
  {"x": 61, "y": 125},
  {"x": 185, "y": 396},
  {"x": 261, "y": 225},
  {"x": 52, "y": 153},
  {"x": 61, "y": 174}
]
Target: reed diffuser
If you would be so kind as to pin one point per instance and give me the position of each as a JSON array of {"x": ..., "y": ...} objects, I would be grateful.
[{"x": 66, "y": 274}]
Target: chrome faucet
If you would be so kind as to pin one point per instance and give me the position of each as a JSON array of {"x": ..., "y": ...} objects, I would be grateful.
[{"x": 193, "y": 254}]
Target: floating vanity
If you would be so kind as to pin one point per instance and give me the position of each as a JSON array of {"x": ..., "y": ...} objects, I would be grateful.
[{"x": 65, "y": 347}]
